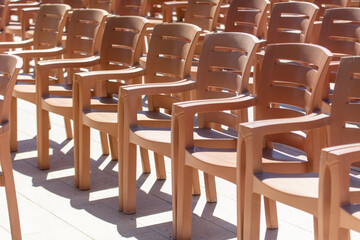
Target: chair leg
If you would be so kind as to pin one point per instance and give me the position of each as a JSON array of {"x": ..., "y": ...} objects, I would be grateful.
[
  {"x": 104, "y": 143},
  {"x": 113, "y": 147},
  {"x": 184, "y": 202},
  {"x": 84, "y": 157},
  {"x": 10, "y": 187},
  {"x": 270, "y": 213},
  {"x": 68, "y": 129},
  {"x": 251, "y": 215},
  {"x": 13, "y": 128},
  {"x": 210, "y": 188},
  {"x": 195, "y": 183},
  {"x": 43, "y": 138},
  {"x": 160, "y": 166},
  {"x": 144, "y": 153},
  {"x": 129, "y": 178}
]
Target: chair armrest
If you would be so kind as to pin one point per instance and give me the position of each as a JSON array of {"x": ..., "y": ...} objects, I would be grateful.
[
  {"x": 68, "y": 63},
  {"x": 39, "y": 53},
  {"x": 214, "y": 105},
  {"x": 341, "y": 155},
  {"x": 110, "y": 74},
  {"x": 282, "y": 125},
  {"x": 17, "y": 44},
  {"x": 175, "y": 4},
  {"x": 136, "y": 90},
  {"x": 23, "y": 5}
]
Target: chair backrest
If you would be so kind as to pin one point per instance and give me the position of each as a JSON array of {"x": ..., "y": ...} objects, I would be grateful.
[
  {"x": 224, "y": 71},
  {"x": 100, "y": 4},
  {"x": 130, "y": 7},
  {"x": 340, "y": 30},
  {"x": 121, "y": 46},
  {"x": 170, "y": 54},
  {"x": 292, "y": 74},
  {"x": 85, "y": 30},
  {"x": 345, "y": 110},
  {"x": 49, "y": 25},
  {"x": 247, "y": 16},
  {"x": 10, "y": 67},
  {"x": 203, "y": 13},
  {"x": 122, "y": 42},
  {"x": 291, "y": 22},
  {"x": 327, "y": 4}
]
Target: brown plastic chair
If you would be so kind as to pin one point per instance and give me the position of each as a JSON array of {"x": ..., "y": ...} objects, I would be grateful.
[
  {"x": 293, "y": 74},
  {"x": 45, "y": 44},
  {"x": 169, "y": 52},
  {"x": 339, "y": 34},
  {"x": 224, "y": 71},
  {"x": 83, "y": 40},
  {"x": 120, "y": 50},
  {"x": 301, "y": 190},
  {"x": 248, "y": 17},
  {"x": 9, "y": 68}
]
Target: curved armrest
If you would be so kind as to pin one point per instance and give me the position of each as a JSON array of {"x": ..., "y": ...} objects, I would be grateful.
[
  {"x": 136, "y": 90},
  {"x": 341, "y": 155},
  {"x": 175, "y": 4},
  {"x": 110, "y": 74},
  {"x": 68, "y": 63},
  {"x": 39, "y": 53},
  {"x": 214, "y": 105},
  {"x": 18, "y": 44},
  {"x": 282, "y": 125},
  {"x": 23, "y": 5}
]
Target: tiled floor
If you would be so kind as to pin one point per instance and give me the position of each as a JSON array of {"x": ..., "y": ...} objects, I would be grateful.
[{"x": 52, "y": 208}]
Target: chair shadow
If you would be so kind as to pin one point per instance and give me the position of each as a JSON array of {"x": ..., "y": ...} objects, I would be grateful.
[{"x": 149, "y": 204}]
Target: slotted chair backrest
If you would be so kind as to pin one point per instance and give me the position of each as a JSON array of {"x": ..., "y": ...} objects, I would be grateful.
[
  {"x": 340, "y": 30},
  {"x": 9, "y": 69},
  {"x": 130, "y": 7},
  {"x": 100, "y": 4},
  {"x": 345, "y": 110},
  {"x": 49, "y": 25},
  {"x": 289, "y": 74},
  {"x": 224, "y": 71},
  {"x": 291, "y": 22},
  {"x": 247, "y": 16},
  {"x": 169, "y": 59},
  {"x": 327, "y": 4},
  {"x": 82, "y": 39},
  {"x": 121, "y": 46},
  {"x": 203, "y": 13}
]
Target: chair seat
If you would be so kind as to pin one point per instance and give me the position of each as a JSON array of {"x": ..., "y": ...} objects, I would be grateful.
[
  {"x": 105, "y": 121},
  {"x": 206, "y": 158},
  {"x": 27, "y": 91},
  {"x": 350, "y": 214},
  {"x": 59, "y": 105},
  {"x": 153, "y": 119}
]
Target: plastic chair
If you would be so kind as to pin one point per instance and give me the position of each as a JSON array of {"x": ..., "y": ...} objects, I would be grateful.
[
  {"x": 84, "y": 35},
  {"x": 224, "y": 71},
  {"x": 46, "y": 43},
  {"x": 9, "y": 68},
  {"x": 169, "y": 52},
  {"x": 302, "y": 190},
  {"x": 120, "y": 50},
  {"x": 339, "y": 35},
  {"x": 285, "y": 79}
]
